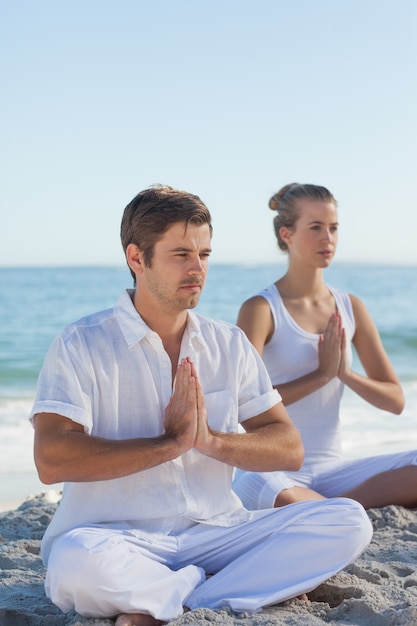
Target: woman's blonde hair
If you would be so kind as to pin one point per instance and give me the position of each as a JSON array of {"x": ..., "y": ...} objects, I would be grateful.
[{"x": 285, "y": 202}]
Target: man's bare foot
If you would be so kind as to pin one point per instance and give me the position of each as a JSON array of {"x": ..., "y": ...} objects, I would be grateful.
[{"x": 137, "y": 619}]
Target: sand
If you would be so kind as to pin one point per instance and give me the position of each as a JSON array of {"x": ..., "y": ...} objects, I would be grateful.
[{"x": 378, "y": 589}]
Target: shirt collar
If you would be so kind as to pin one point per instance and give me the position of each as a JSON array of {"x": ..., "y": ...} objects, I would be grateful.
[
  {"x": 134, "y": 329},
  {"x": 194, "y": 329},
  {"x": 131, "y": 324}
]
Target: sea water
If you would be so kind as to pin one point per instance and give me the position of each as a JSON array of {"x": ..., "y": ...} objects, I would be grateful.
[{"x": 36, "y": 303}]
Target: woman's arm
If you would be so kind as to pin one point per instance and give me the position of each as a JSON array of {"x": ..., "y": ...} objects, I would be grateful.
[
  {"x": 255, "y": 319},
  {"x": 380, "y": 386}
]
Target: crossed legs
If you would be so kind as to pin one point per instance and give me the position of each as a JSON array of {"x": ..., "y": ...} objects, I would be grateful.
[{"x": 148, "y": 581}]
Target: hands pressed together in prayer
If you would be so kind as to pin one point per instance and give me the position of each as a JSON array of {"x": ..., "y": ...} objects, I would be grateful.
[
  {"x": 332, "y": 349},
  {"x": 186, "y": 415}
]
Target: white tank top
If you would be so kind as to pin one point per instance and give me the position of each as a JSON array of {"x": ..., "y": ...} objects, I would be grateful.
[{"x": 292, "y": 352}]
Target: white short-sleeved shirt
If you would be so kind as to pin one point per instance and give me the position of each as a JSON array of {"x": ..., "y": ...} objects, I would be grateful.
[{"x": 110, "y": 373}]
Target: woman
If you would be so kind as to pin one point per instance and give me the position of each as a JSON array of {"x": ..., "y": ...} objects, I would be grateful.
[{"x": 304, "y": 329}]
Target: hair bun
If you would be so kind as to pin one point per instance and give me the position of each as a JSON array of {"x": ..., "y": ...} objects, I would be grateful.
[{"x": 276, "y": 198}]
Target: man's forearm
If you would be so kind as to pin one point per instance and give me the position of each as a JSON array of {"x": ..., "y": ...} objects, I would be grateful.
[
  {"x": 270, "y": 448},
  {"x": 67, "y": 454}
]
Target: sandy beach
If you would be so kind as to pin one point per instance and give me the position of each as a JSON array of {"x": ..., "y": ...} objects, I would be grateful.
[{"x": 378, "y": 589}]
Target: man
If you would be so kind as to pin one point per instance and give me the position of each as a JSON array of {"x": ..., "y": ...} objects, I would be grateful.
[{"x": 137, "y": 411}]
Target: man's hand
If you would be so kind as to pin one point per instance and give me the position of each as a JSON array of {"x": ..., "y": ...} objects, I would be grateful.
[
  {"x": 205, "y": 438},
  {"x": 271, "y": 441},
  {"x": 181, "y": 414},
  {"x": 186, "y": 415}
]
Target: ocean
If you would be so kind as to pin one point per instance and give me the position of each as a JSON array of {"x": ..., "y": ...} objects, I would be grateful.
[{"x": 36, "y": 303}]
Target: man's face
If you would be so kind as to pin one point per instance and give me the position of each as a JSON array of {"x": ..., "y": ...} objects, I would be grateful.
[{"x": 179, "y": 267}]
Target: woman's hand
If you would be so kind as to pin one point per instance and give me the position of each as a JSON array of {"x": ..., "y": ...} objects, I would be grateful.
[
  {"x": 330, "y": 351},
  {"x": 343, "y": 366}
]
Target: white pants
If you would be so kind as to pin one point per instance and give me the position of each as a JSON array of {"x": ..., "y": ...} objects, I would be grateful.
[
  {"x": 259, "y": 490},
  {"x": 279, "y": 554}
]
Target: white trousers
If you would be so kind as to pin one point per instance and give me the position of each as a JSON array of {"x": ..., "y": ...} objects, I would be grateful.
[
  {"x": 259, "y": 490},
  {"x": 281, "y": 553}
]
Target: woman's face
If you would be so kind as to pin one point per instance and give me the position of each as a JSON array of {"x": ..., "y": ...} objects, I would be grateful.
[{"x": 313, "y": 240}]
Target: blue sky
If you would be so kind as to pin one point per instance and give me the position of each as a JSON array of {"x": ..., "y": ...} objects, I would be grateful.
[{"x": 224, "y": 98}]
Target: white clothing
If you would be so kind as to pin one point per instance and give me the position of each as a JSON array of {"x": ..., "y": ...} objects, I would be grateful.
[
  {"x": 110, "y": 373},
  {"x": 144, "y": 543},
  {"x": 259, "y": 490},
  {"x": 278, "y": 555},
  {"x": 291, "y": 353}
]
